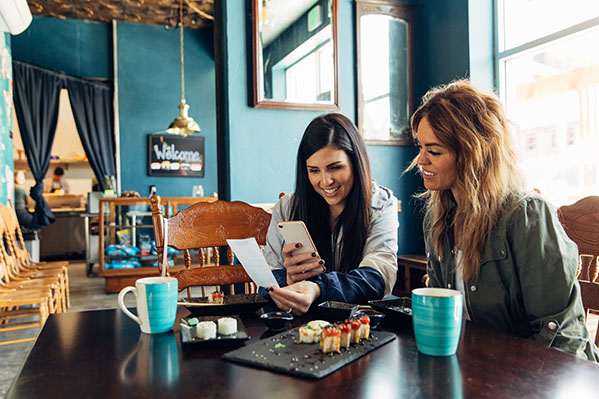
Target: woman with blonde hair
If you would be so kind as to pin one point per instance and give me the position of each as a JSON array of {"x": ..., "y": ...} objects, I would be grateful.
[{"x": 504, "y": 249}]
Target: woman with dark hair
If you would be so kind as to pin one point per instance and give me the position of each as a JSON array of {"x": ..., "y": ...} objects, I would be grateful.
[
  {"x": 351, "y": 219},
  {"x": 503, "y": 248}
]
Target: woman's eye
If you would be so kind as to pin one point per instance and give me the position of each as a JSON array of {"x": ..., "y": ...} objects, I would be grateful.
[
  {"x": 336, "y": 167},
  {"x": 434, "y": 153},
  {"x": 312, "y": 170}
]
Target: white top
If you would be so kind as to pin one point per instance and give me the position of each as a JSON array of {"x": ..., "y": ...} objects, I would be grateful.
[{"x": 380, "y": 249}]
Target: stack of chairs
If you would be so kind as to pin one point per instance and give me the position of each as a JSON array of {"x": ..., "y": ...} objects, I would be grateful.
[{"x": 28, "y": 290}]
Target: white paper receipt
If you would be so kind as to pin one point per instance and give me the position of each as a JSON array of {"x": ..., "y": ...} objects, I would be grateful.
[{"x": 249, "y": 254}]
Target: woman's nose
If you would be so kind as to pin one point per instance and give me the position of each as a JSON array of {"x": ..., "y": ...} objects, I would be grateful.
[
  {"x": 422, "y": 158},
  {"x": 327, "y": 178}
]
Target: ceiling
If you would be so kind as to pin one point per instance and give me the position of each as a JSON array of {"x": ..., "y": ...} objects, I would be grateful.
[{"x": 196, "y": 13}]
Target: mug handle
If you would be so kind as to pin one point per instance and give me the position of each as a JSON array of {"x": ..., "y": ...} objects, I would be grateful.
[{"x": 121, "y": 302}]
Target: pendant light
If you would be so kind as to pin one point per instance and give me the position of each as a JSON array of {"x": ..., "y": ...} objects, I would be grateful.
[{"x": 183, "y": 124}]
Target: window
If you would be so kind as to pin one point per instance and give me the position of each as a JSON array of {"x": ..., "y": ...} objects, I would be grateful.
[
  {"x": 314, "y": 68},
  {"x": 548, "y": 70}
]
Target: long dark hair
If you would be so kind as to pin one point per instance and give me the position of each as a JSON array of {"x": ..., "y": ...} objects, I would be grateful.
[{"x": 337, "y": 131}]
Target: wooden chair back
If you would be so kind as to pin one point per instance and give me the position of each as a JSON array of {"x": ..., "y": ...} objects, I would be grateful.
[
  {"x": 14, "y": 235},
  {"x": 206, "y": 226},
  {"x": 581, "y": 223}
]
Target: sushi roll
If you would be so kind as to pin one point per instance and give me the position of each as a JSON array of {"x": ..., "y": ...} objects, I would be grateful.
[
  {"x": 310, "y": 333},
  {"x": 206, "y": 330},
  {"x": 227, "y": 325},
  {"x": 330, "y": 339},
  {"x": 364, "y": 326},
  {"x": 345, "y": 328},
  {"x": 216, "y": 297},
  {"x": 355, "y": 330}
]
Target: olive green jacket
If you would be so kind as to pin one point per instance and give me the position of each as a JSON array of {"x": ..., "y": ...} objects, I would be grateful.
[{"x": 527, "y": 281}]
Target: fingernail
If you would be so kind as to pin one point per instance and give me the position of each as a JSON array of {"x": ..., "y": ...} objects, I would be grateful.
[
  {"x": 314, "y": 254},
  {"x": 321, "y": 262},
  {"x": 297, "y": 245},
  {"x": 324, "y": 268}
]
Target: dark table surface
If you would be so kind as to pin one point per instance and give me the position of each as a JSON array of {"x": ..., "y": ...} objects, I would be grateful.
[{"x": 104, "y": 354}]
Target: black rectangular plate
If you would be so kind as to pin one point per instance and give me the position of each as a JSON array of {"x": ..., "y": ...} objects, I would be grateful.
[
  {"x": 400, "y": 308},
  {"x": 291, "y": 359},
  {"x": 240, "y": 336},
  {"x": 232, "y": 304}
]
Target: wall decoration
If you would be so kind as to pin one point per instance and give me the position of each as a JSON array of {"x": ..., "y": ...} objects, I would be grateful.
[
  {"x": 173, "y": 155},
  {"x": 6, "y": 145}
]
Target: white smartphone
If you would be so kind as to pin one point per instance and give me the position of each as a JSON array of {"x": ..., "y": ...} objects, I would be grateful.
[{"x": 296, "y": 231}]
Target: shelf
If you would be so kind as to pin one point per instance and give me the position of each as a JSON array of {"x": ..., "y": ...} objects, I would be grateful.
[
  {"x": 141, "y": 258},
  {"x": 22, "y": 163},
  {"x": 129, "y": 226},
  {"x": 110, "y": 211}
]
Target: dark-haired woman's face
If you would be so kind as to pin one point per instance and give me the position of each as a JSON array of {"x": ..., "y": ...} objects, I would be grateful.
[{"x": 331, "y": 175}]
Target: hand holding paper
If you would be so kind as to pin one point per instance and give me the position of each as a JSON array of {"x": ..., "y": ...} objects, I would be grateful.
[{"x": 249, "y": 254}]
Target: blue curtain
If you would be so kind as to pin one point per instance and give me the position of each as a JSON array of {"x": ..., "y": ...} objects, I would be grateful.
[
  {"x": 36, "y": 98},
  {"x": 92, "y": 108}
]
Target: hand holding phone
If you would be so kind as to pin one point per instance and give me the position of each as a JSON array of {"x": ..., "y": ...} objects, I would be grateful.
[{"x": 296, "y": 231}]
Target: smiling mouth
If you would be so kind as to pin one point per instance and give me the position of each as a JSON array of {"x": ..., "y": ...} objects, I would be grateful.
[
  {"x": 330, "y": 191},
  {"x": 428, "y": 174}
]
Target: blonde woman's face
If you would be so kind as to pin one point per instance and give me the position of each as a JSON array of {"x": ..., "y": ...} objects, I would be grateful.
[{"x": 437, "y": 163}]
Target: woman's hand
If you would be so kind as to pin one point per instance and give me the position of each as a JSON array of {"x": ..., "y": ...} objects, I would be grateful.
[
  {"x": 295, "y": 298},
  {"x": 296, "y": 272}
]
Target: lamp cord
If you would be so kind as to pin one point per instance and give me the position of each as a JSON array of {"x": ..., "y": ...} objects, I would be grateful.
[{"x": 182, "y": 52}]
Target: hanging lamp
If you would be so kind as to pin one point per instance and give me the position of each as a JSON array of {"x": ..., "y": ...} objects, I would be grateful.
[{"x": 183, "y": 124}]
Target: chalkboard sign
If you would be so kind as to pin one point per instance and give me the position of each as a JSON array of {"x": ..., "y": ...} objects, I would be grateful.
[{"x": 171, "y": 155}]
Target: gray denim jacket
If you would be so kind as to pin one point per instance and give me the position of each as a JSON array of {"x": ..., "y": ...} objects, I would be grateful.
[{"x": 527, "y": 282}]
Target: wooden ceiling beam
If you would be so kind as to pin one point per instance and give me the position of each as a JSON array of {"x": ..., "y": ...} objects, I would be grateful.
[{"x": 196, "y": 13}]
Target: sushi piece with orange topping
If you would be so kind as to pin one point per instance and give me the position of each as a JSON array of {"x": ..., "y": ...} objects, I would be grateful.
[
  {"x": 345, "y": 328},
  {"x": 355, "y": 330},
  {"x": 330, "y": 339},
  {"x": 216, "y": 297},
  {"x": 364, "y": 326}
]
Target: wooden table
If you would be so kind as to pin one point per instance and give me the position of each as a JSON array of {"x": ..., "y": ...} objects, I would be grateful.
[{"x": 103, "y": 354}]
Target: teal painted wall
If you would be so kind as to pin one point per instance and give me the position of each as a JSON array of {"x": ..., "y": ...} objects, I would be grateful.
[
  {"x": 149, "y": 85},
  {"x": 6, "y": 159},
  {"x": 149, "y": 95},
  {"x": 74, "y": 47},
  {"x": 440, "y": 43}
]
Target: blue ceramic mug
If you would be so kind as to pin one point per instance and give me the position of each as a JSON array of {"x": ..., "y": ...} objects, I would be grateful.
[
  {"x": 437, "y": 320},
  {"x": 156, "y": 303}
]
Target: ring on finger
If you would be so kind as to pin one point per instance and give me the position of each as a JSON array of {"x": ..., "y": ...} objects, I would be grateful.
[{"x": 290, "y": 310}]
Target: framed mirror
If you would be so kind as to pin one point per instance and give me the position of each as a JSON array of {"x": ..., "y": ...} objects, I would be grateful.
[
  {"x": 384, "y": 54},
  {"x": 294, "y": 54}
]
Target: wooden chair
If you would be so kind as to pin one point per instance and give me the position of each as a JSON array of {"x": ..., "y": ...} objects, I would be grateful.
[
  {"x": 21, "y": 261},
  {"x": 206, "y": 226},
  {"x": 12, "y": 277},
  {"x": 581, "y": 223},
  {"x": 19, "y": 304}
]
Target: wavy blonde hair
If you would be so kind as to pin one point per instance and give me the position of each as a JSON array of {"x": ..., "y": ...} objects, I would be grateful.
[{"x": 473, "y": 126}]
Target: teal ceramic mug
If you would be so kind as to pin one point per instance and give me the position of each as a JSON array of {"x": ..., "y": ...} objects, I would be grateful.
[
  {"x": 156, "y": 303},
  {"x": 437, "y": 320}
]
